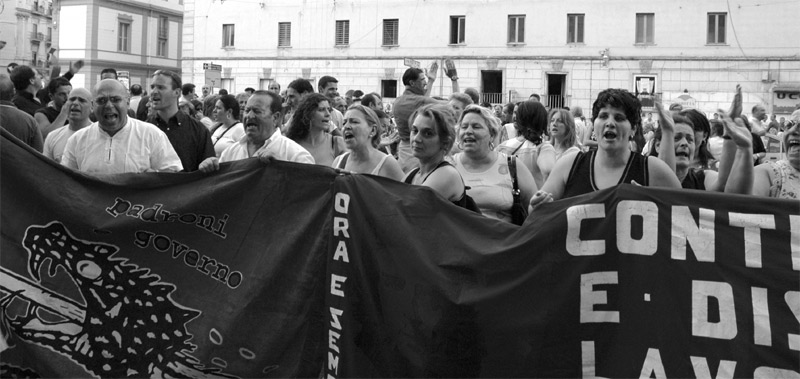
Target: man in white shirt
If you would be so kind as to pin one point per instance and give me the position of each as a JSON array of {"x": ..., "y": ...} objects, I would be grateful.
[
  {"x": 79, "y": 108},
  {"x": 759, "y": 115},
  {"x": 262, "y": 137},
  {"x": 117, "y": 143}
]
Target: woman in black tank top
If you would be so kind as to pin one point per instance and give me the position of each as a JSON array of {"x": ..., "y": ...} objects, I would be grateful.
[
  {"x": 432, "y": 136},
  {"x": 615, "y": 113}
]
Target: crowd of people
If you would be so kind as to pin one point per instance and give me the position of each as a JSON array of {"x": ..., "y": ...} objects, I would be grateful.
[{"x": 473, "y": 154}]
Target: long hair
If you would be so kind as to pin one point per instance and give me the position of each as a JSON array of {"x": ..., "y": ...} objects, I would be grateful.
[
  {"x": 301, "y": 119},
  {"x": 372, "y": 120},
  {"x": 443, "y": 120},
  {"x": 700, "y": 124},
  {"x": 532, "y": 120},
  {"x": 571, "y": 137}
]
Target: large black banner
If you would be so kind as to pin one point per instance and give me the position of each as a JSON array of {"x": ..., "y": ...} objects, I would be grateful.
[{"x": 286, "y": 270}]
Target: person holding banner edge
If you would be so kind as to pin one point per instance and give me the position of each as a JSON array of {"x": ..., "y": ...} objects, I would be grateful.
[{"x": 615, "y": 113}]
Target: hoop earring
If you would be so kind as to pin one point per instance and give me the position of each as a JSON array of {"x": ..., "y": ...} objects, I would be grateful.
[
  {"x": 491, "y": 145},
  {"x": 460, "y": 145}
]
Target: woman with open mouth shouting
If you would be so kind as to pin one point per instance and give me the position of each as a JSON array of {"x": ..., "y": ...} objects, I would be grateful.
[
  {"x": 485, "y": 170},
  {"x": 311, "y": 126},
  {"x": 615, "y": 113},
  {"x": 362, "y": 135}
]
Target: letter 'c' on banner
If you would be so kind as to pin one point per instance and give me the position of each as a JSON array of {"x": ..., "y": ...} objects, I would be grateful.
[{"x": 576, "y": 214}]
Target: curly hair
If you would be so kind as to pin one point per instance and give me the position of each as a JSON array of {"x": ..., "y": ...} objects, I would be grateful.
[
  {"x": 443, "y": 119},
  {"x": 301, "y": 119},
  {"x": 622, "y": 99},
  {"x": 372, "y": 120},
  {"x": 531, "y": 120}
]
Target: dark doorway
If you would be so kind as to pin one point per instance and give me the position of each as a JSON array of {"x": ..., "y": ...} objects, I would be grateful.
[
  {"x": 556, "y": 86},
  {"x": 492, "y": 86},
  {"x": 389, "y": 88}
]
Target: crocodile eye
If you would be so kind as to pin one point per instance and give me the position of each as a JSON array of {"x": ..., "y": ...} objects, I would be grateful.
[{"x": 89, "y": 270}]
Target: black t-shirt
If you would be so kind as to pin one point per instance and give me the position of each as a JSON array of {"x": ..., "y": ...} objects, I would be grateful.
[{"x": 189, "y": 137}]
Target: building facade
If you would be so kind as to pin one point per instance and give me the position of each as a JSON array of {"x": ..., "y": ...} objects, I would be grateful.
[
  {"x": 693, "y": 52},
  {"x": 27, "y": 33},
  {"x": 135, "y": 37}
]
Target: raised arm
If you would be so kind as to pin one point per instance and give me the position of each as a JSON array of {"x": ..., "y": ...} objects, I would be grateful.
[
  {"x": 736, "y": 167},
  {"x": 666, "y": 151}
]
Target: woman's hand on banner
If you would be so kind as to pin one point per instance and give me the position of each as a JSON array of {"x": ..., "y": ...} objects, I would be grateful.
[{"x": 209, "y": 164}]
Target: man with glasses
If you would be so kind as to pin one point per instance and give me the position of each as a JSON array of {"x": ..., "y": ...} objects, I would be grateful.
[
  {"x": 414, "y": 97},
  {"x": 189, "y": 137},
  {"x": 117, "y": 143}
]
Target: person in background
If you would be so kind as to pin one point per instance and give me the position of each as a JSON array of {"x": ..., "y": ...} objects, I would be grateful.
[
  {"x": 485, "y": 171},
  {"x": 341, "y": 105},
  {"x": 538, "y": 155},
  {"x": 580, "y": 125},
  {"x": 274, "y": 86},
  {"x": 136, "y": 96},
  {"x": 79, "y": 107},
  {"x": 329, "y": 87},
  {"x": 362, "y": 134},
  {"x": 20, "y": 124},
  {"x": 27, "y": 82},
  {"x": 372, "y": 101},
  {"x": 459, "y": 101},
  {"x": 309, "y": 128},
  {"x": 781, "y": 179},
  {"x": 702, "y": 130},
  {"x": 242, "y": 98},
  {"x": 414, "y": 97},
  {"x": 563, "y": 134},
  {"x": 200, "y": 115},
  {"x": 294, "y": 94},
  {"x": 54, "y": 115},
  {"x": 227, "y": 130},
  {"x": 716, "y": 140},
  {"x": 188, "y": 92}
]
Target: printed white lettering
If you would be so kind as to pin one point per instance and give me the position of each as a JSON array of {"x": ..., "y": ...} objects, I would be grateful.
[
  {"x": 341, "y": 202},
  {"x": 792, "y": 299},
  {"x": 653, "y": 365},
  {"x": 773, "y": 373},
  {"x": 587, "y": 358},
  {"x": 701, "y": 326},
  {"x": 335, "y": 313},
  {"x": 336, "y": 285},
  {"x": 332, "y": 339},
  {"x": 762, "y": 333},
  {"x": 702, "y": 371},
  {"x": 589, "y": 297},
  {"x": 576, "y": 214},
  {"x": 700, "y": 235},
  {"x": 752, "y": 224},
  {"x": 794, "y": 227},
  {"x": 341, "y": 252},
  {"x": 648, "y": 243},
  {"x": 340, "y": 225}
]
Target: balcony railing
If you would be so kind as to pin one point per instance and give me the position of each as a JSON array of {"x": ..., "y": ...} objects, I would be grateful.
[
  {"x": 37, "y": 36},
  {"x": 555, "y": 101},
  {"x": 492, "y": 98}
]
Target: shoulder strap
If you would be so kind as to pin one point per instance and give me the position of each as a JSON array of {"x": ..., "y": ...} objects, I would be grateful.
[
  {"x": 518, "y": 147},
  {"x": 343, "y": 162},
  {"x": 411, "y": 175},
  {"x": 512, "y": 169},
  {"x": 441, "y": 164}
]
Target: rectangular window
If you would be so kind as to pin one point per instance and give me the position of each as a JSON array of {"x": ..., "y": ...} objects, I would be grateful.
[
  {"x": 716, "y": 28},
  {"x": 516, "y": 29},
  {"x": 163, "y": 36},
  {"x": 284, "y": 34},
  {"x": 645, "y": 28},
  {"x": 342, "y": 32},
  {"x": 124, "y": 37},
  {"x": 575, "y": 28},
  {"x": 227, "y": 84},
  {"x": 388, "y": 88},
  {"x": 228, "y": 31},
  {"x": 457, "y": 24},
  {"x": 390, "y": 32}
]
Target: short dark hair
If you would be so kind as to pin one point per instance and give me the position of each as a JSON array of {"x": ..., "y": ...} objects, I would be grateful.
[
  {"x": 56, "y": 83},
  {"x": 223, "y": 92},
  {"x": 536, "y": 95},
  {"x": 136, "y": 89},
  {"x": 21, "y": 77},
  {"x": 176, "y": 79},
  {"x": 301, "y": 86},
  {"x": 323, "y": 81},
  {"x": 622, "y": 99},
  {"x": 370, "y": 100},
  {"x": 250, "y": 90},
  {"x": 186, "y": 88},
  {"x": 109, "y": 71},
  {"x": 410, "y": 75},
  {"x": 208, "y": 104},
  {"x": 198, "y": 105},
  {"x": 444, "y": 122},
  {"x": 358, "y": 93},
  {"x": 229, "y": 103},
  {"x": 276, "y": 105}
]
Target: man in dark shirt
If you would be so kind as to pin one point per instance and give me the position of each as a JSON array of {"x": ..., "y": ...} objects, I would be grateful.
[
  {"x": 189, "y": 137},
  {"x": 54, "y": 116},
  {"x": 27, "y": 82},
  {"x": 15, "y": 121}
]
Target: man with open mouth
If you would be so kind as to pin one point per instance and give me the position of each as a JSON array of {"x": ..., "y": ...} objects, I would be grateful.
[
  {"x": 78, "y": 108},
  {"x": 117, "y": 143}
]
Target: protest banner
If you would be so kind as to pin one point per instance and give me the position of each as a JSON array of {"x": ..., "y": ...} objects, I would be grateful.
[{"x": 288, "y": 270}]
